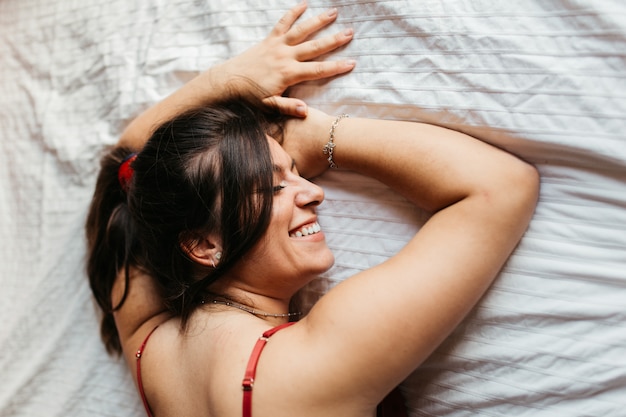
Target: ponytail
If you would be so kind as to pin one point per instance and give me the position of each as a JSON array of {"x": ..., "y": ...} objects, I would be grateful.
[
  {"x": 111, "y": 241},
  {"x": 208, "y": 170}
]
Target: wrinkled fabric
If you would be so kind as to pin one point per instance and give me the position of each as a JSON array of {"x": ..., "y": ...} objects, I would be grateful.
[{"x": 543, "y": 79}]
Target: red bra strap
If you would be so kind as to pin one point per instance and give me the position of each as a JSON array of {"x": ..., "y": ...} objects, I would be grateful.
[
  {"x": 248, "y": 379},
  {"x": 139, "y": 383}
]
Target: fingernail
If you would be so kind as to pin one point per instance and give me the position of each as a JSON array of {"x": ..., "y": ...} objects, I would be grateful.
[
  {"x": 301, "y": 110},
  {"x": 350, "y": 62},
  {"x": 331, "y": 12},
  {"x": 348, "y": 32}
]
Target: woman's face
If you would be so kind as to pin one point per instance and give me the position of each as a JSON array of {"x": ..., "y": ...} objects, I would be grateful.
[{"x": 293, "y": 250}]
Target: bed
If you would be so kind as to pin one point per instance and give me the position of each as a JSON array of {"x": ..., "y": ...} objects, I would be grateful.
[{"x": 545, "y": 79}]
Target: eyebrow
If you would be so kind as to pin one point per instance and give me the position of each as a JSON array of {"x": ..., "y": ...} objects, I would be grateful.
[{"x": 279, "y": 169}]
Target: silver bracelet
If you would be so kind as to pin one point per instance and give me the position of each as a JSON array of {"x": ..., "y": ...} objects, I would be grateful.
[{"x": 330, "y": 146}]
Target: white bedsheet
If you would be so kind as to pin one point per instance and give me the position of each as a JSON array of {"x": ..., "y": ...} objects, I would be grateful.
[{"x": 544, "y": 79}]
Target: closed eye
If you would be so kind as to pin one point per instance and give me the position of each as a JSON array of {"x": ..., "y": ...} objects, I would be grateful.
[
  {"x": 281, "y": 171},
  {"x": 279, "y": 187}
]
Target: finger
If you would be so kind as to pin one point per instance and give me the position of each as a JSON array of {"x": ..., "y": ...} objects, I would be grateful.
[
  {"x": 287, "y": 105},
  {"x": 309, "y": 71},
  {"x": 300, "y": 32},
  {"x": 286, "y": 22},
  {"x": 317, "y": 47}
]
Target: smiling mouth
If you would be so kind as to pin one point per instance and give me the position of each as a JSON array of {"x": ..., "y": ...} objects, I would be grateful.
[{"x": 307, "y": 230}]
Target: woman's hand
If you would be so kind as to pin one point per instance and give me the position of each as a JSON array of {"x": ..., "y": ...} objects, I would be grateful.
[
  {"x": 304, "y": 140},
  {"x": 261, "y": 74},
  {"x": 285, "y": 58}
]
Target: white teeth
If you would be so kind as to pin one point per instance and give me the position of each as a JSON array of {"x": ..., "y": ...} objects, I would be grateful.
[{"x": 305, "y": 231}]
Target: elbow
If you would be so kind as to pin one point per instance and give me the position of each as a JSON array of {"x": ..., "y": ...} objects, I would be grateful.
[
  {"x": 528, "y": 181},
  {"x": 128, "y": 139},
  {"x": 134, "y": 136},
  {"x": 518, "y": 191}
]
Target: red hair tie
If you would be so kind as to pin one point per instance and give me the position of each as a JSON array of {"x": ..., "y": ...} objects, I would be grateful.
[{"x": 126, "y": 171}]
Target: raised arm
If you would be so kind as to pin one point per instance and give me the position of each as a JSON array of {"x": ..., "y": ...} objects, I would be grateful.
[
  {"x": 388, "y": 319},
  {"x": 261, "y": 74}
]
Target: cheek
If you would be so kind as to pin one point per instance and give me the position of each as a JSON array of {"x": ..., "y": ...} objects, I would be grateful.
[
  {"x": 275, "y": 237},
  {"x": 281, "y": 213}
]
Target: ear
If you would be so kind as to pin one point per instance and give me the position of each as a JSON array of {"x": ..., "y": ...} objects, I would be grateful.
[{"x": 205, "y": 251}]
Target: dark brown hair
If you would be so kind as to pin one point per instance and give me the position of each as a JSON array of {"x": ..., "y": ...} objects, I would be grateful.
[{"x": 208, "y": 170}]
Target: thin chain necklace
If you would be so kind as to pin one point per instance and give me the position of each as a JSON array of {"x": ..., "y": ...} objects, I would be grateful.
[{"x": 252, "y": 310}]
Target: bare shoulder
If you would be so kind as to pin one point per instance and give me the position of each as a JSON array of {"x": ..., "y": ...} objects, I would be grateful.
[
  {"x": 295, "y": 377},
  {"x": 207, "y": 360},
  {"x": 139, "y": 308}
]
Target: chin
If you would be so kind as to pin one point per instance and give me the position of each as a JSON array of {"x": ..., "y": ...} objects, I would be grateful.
[{"x": 325, "y": 262}]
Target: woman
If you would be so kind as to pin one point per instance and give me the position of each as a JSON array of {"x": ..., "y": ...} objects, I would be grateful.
[{"x": 198, "y": 244}]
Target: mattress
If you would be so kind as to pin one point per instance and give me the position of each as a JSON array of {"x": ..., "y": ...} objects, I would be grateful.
[{"x": 544, "y": 79}]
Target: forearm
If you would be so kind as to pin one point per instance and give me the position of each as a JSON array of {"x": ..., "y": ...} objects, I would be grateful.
[
  {"x": 432, "y": 166},
  {"x": 206, "y": 88}
]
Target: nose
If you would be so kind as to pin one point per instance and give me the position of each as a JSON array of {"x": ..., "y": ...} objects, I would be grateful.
[{"x": 310, "y": 195}]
